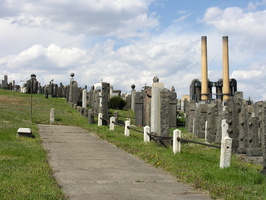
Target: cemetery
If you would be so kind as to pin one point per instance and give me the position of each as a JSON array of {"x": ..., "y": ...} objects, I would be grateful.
[{"x": 223, "y": 120}]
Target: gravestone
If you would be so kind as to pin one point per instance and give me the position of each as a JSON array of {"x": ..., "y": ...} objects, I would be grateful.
[
  {"x": 253, "y": 147},
  {"x": 200, "y": 119},
  {"x": 173, "y": 108},
  {"x": 70, "y": 99},
  {"x": 138, "y": 108},
  {"x": 190, "y": 110},
  {"x": 211, "y": 125},
  {"x": 26, "y": 132},
  {"x": 147, "y": 95},
  {"x": 234, "y": 105},
  {"x": 164, "y": 112},
  {"x": 84, "y": 97},
  {"x": 104, "y": 99},
  {"x": 133, "y": 96},
  {"x": 156, "y": 106},
  {"x": 262, "y": 111},
  {"x": 244, "y": 116}
]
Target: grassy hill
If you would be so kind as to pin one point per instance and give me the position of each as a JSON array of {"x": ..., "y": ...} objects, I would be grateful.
[{"x": 25, "y": 173}]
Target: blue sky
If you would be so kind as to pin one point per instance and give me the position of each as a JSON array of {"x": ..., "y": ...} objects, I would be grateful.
[{"x": 127, "y": 42}]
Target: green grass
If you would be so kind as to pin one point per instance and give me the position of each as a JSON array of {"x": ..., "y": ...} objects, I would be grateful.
[{"x": 25, "y": 173}]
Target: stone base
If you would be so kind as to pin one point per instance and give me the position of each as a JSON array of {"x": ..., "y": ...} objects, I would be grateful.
[
  {"x": 242, "y": 150},
  {"x": 26, "y": 132},
  {"x": 254, "y": 152}
]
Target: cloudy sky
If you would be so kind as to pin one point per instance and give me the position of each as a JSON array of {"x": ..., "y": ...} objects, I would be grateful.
[{"x": 127, "y": 42}]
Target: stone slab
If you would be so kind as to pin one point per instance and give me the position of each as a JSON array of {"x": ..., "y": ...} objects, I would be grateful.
[{"x": 26, "y": 132}]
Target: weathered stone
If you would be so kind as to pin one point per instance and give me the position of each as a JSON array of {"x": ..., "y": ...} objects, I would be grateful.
[
  {"x": 26, "y": 132},
  {"x": 133, "y": 96},
  {"x": 211, "y": 119},
  {"x": 253, "y": 147},
  {"x": 139, "y": 109},
  {"x": 90, "y": 117},
  {"x": 147, "y": 106},
  {"x": 263, "y": 135},
  {"x": 156, "y": 108},
  {"x": 201, "y": 116},
  {"x": 173, "y": 108},
  {"x": 164, "y": 113},
  {"x": 244, "y": 115}
]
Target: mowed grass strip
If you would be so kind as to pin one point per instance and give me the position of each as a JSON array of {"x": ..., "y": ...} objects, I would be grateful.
[{"x": 195, "y": 165}]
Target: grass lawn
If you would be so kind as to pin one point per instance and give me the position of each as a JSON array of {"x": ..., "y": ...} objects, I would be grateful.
[{"x": 25, "y": 173}]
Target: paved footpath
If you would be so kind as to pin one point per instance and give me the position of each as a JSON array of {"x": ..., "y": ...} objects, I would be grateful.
[{"x": 89, "y": 168}]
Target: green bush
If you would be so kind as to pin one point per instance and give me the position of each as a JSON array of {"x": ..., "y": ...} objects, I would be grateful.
[{"x": 117, "y": 103}]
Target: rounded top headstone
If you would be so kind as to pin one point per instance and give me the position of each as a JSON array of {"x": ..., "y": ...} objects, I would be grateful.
[
  {"x": 156, "y": 79},
  {"x": 72, "y": 74},
  {"x": 133, "y": 86}
]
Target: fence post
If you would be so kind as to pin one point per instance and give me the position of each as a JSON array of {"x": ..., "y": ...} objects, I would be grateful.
[
  {"x": 112, "y": 125},
  {"x": 100, "y": 121},
  {"x": 194, "y": 125},
  {"x": 226, "y": 148},
  {"x": 176, "y": 143},
  {"x": 206, "y": 130},
  {"x": 224, "y": 128},
  {"x": 52, "y": 115},
  {"x": 145, "y": 135},
  {"x": 127, "y": 131}
]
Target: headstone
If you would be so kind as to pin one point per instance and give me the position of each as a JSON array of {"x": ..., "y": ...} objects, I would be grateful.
[
  {"x": 244, "y": 116},
  {"x": 263, "y": 135},
  {"x": 103, "y": 105},
  {"x": 253, "y": 148},
  {"x": 173, "y": 108},
  {"x": 147, "y": 106},
  {"x": 156, "y": 107},
  {"x": 133, "y": 94},
  {"x": 139, "y": 109},
  {"x": 200, "y": 119},
  {"x": 90, "y": 117},
  {"x": 211, "y": 119},
  {"x": 84, "y": 98},
  {"x": 70, "y": 99},
  {"x": 164, "y": 112},
  {"x": 190, "y": 109},
  {"x": 26, "y": 132}
]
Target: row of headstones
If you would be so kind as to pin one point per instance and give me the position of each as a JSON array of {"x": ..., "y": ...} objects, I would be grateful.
[
  {"x": 247, "y": 123},
  {"x": 156, "y": 107},
  {"x": 8, "y": 86}
]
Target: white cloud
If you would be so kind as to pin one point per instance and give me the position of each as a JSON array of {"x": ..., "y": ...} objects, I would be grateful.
[
  {"x": 247, "y": 27},
  {"x": 118, "y": 18}
]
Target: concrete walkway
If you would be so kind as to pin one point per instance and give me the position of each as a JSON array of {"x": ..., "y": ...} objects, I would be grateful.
[{"x": 89, "y": 168}]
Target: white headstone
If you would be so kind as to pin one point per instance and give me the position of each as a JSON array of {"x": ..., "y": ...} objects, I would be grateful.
[
  {"x": 156, "y": 108},
  {"x": 84, "y": 98}
]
